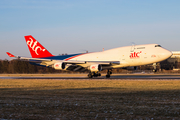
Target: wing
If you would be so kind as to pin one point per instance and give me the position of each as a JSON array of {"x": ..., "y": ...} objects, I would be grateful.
[{"x": 72, "y": 65}]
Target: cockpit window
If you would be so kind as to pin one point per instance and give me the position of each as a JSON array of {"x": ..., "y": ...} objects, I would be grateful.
[{"x": 157, "y": 45}]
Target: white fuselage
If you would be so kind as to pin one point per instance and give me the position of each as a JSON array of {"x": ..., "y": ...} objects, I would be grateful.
[{"x": 135, "y": 55}]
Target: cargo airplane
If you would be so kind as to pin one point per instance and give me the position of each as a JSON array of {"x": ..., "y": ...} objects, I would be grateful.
[{"x": 94, "y": 62}]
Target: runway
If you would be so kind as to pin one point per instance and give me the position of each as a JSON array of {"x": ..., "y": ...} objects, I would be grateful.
[{"x": 114, "y": 76}]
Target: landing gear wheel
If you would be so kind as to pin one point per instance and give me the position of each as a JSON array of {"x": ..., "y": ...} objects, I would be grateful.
[
  {"x": 109, "y": 72},
  {"x": 107, "y": 76},
  {"x": 90, "y": 76},
  {"x": 93, "y": 74}
]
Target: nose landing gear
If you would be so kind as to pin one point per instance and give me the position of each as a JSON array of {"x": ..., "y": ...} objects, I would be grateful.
[{"x": 154, "y": 66}]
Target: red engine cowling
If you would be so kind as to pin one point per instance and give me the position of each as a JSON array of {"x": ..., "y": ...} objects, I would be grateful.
[
  {"x": 95, "y": 68},
  {"x": 59, "y": 66}
]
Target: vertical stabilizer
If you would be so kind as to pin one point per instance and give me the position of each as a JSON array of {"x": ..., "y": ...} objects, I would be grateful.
[{"x": 36, "y": 49}]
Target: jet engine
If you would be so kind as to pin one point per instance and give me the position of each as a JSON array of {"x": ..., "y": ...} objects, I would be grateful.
[
  {"x": 59, "y": 66},
  {"x": 95, "y": 68}
]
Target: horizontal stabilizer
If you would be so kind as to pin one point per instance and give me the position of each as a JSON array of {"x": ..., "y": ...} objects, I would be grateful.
[{"x": 10, "y": 55}]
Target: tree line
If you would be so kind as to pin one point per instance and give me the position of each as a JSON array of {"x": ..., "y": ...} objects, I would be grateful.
[{"x": 16, "y": 66}]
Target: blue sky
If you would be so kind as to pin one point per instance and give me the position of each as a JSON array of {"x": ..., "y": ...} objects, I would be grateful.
[{"x": 69, "y": 26}]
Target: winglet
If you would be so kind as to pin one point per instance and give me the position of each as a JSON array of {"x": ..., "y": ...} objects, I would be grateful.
[
  {"x": 36, "y": 49},
  {"x": 10, "y": 55}
]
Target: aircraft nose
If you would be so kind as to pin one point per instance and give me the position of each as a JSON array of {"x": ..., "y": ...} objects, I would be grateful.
[
  {"x": 165, "y": 54},
  {"x": 169, "y": 54}
]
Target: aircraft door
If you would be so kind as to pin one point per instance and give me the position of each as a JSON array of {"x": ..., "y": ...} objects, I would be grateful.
[{"x": 132, "y": 48}]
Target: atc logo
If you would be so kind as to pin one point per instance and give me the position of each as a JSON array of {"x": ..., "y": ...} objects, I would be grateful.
[
  {"x": 93, "y": 67},
  {"x": 33, "y": 45},
  {"x": 135, "y": 55},
  {"x": 57, "y": 65}
]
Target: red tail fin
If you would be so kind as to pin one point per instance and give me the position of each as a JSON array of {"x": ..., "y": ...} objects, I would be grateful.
[{"x": 36, "y": 49}]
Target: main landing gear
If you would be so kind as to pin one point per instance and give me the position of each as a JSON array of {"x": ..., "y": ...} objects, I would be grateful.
[
  {"x": 109, "y": 72},
  {"x": 94, "y": 74}
]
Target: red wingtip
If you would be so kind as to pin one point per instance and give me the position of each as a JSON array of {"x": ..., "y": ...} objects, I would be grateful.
[{"x": 10, "y": 55}]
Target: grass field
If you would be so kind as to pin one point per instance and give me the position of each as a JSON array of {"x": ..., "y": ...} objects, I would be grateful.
[{"x": 89, "y": 99}]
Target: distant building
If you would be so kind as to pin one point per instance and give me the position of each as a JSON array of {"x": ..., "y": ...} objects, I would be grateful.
[
  {"x": 175, "y": 57},
  {"x": 172, "y": 63}
]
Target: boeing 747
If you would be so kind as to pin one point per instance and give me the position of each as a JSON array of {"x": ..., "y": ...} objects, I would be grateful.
[{"x": 94, "y": 62}]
